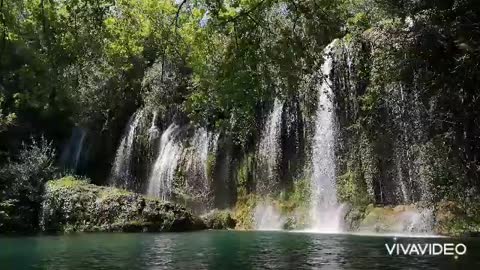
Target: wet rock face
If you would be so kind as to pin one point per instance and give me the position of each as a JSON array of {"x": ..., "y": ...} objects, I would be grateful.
[
  {"x": 400, "y": 129},
  {"x": 444, "y": 218},
  {"x": 75, "y": 205},
  {"x": 400, "y": 219},
  {"x": 457, "y": 219},
  {"x": 219, "y": 219}
]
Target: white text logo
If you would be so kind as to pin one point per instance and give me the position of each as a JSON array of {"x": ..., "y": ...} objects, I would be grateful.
[{"x": 426, "y": 249}]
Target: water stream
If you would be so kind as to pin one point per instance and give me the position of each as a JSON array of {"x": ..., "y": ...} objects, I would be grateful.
[
  {"x": 73, "y": 153},
  {"x": 121, "y": 174},
  {"x": 269, "y": 150},
  {"x": 325, "y": 213},
  {"x": 170, "y": 151}
]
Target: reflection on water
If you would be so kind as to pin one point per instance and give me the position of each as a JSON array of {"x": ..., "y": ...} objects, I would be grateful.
[{"x": 222, "y": 250}]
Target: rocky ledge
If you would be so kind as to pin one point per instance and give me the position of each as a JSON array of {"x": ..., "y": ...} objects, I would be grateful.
[
  {"x": 444, "y": 218},
  {"x": 72, "y": 205}
]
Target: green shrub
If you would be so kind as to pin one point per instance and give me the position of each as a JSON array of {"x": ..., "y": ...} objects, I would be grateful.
[
  {"x": 219, "y": 219},
  {"x": 22, "y": 184}
]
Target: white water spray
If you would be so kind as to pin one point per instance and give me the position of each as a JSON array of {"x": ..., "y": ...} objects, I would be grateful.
[
  {"x": 153, "y": 131},
  {"x": 122, "y": 166},
  {"x": 326, "y": 213},
  {"x": 267, "y": 217},
  {"x": 270, "y": 149},
  {"x": 198, "y": 157},
  {"x": 160, "y": 183},
  {"x": 197, "y": 162}
]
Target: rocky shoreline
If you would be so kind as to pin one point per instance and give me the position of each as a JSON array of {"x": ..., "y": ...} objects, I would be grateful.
[{"x": 72, "y": 205}]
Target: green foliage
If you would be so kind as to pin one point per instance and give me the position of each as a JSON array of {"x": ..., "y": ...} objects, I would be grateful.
[
  {"x": 65, "y": 182},
  {"x": 293, "y": 204},
  {"x": 5, "y": 120},
  {"x": 351, "y": 188},
  {"x": 253, "y": 49},
  {"x": 359, "y": 23},
  {"x": 211, "y": 162},
  {"x": 21, "y": 185},
  {"x": 245, "y": 174},
  {"x": 457, "y": 219},
  {"x": 298, "y": 199},
  {"x": 244, "y": 209},
  {"x": 219, "y": 219}
]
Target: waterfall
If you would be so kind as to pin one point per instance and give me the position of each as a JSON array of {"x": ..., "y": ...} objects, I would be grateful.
[
  {"x": 170, "y": 152},
  {"x": 408, "y": 119},
  {"x": 270, "y": 149},
  {"x": 420, "y": 221},
  {"x": 266, "y": 216},
  {"x": 197, "y": 162},
  {"x": 198, "y": 158},
  {"x": 153, "y": 131},
  {"x": 326, "y": 214},
  {"x": 73, "y": 151},
  {"x": 121, "y": 170},
  {"x": 121, "y": 174}
]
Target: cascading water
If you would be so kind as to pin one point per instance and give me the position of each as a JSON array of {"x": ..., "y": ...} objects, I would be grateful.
[
  {"x": 74, "y": 151},
  {"x": 153, "y": 131},
  {"x": 198, "y": 158},
  {"x": 326, "y": 214},
  {"x": 266, "y": 216},
  {"x": 407, "y": 113},
  {"x": 197, "y": 162},
  {"x": 121, "y": 173},
  {"x": 161, "y": 179},
  {"x": 269, "y": 150}
]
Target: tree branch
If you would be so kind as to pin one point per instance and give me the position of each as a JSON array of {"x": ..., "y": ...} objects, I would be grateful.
[{"x": 178, "y": 13}]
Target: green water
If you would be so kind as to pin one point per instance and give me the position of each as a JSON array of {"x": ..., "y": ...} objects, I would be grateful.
[{"x": 222, "y": 250}]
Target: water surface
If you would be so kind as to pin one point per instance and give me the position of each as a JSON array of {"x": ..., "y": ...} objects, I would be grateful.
[{"x": 222, "y": 250}]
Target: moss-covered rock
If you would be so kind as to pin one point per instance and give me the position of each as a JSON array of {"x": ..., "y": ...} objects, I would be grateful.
[
  {"x": 219, "y": 219},
  {"x": 353, "y": 217},
  {"x": 291, "y": 209},
  {"x": 75, "y": 205},
  {"x": 381, "y": 219},
  {"x": 244, "y": 211},
  {"x": 393, "y": 219},
  {"x": 456, "y": 220},
  {"x": 444, "y": 218}
]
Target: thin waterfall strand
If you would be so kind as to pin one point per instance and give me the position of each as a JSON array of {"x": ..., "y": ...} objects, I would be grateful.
[
  {"x": 72, "y": 153},
  {"x": 197, "y": 162},
  {"x": 270, "y": 149},
  {"x": 121, "y": 171}
]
